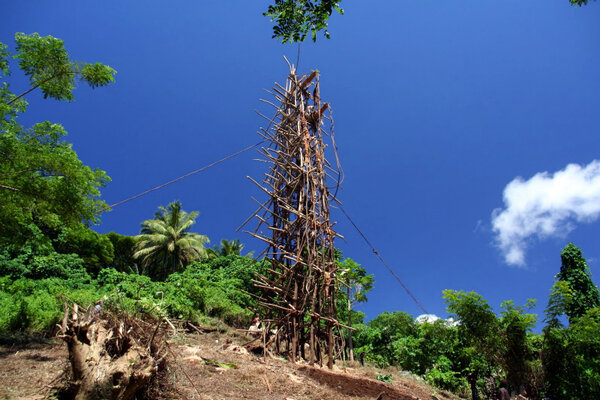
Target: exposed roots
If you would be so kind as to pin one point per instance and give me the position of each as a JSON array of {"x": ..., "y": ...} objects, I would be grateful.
[{"x": 113, "y": 356}]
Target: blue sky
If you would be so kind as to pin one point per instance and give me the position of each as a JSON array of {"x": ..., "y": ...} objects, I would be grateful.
[{"x": 438, "y": 106}]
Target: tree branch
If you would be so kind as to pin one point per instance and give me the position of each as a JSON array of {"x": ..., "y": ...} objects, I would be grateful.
[
  {"x": 34, "y": 87},
  {"x": 9, "y": 188}
]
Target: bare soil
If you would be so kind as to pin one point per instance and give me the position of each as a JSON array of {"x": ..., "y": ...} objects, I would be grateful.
[
  {"x": 215, "y": 366},
  {"x": 28, "y": 370}
]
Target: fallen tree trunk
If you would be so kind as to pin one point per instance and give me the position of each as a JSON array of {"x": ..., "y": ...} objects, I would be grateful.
[{"x": 111, "y": 357}]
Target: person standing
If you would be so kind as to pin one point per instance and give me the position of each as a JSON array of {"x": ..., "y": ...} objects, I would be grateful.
[
  {"x": 503, "y": 391},
  {"x": 473, "y": 382}
]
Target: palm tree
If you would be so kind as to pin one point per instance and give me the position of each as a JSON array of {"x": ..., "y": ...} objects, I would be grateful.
[
  {"x": 225, "y": 249},
  {"x": 165, "y": 244}
]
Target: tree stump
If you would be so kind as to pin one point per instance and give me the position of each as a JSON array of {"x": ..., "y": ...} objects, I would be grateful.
[{"x": 106, "y": 354}]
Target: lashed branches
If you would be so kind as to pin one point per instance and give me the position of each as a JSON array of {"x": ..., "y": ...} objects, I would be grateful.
[{"x": 299, "y": 288}]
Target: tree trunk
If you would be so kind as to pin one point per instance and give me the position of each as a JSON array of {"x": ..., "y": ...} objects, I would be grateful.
[{"x": 350, "y": 349}]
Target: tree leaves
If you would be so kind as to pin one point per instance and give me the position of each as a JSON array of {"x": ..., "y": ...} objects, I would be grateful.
[
  {"x": 53, "y": 186},
  {"x": 574, "y": 291},
  {"x": 295, "y": 19},
  {"x": 578, "y": 2},
  {"x": 46, "y": 62},
  {"x": 165, "y": 244}
]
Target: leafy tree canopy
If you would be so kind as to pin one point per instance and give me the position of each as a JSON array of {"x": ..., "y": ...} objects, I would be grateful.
[
  {"x": 42, "y": 181},
  {"x": 123, "y": 247},
  {"x": 48, "y": 197},
  {"x": 573, "y": 293},
  {"x": 479, "y": 329},
  {"x": 295, "y": 19},
  {"x": 571, "y": 355},
  {"x": 578, "y": 2},
  {"x": 517, "y": 352},
  {"x": 46, "y": 62},
  {"x": 356, "y": 280}
]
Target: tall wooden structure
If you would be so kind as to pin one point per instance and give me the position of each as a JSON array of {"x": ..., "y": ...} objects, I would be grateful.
[{"x": 299, "y": 287}]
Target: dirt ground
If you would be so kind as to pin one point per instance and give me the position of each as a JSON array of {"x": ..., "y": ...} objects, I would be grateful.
[
  {"x": 214, "y": 366},
  {"x": 28, "y": 370}
]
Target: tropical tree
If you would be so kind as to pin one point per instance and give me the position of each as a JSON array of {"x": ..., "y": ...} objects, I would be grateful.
[
  {"x": 43, "y": 184},
  {"x": 571, "y": 355},
  {"x": 123, "y": 249},
  {"x": 357, "y": 283},
  {"x": 48, "y": 197},
  {"x": 224, "y": 249},
  {"x": 480, "y": 330},
  {"x": 166, "y": 245},
  {"x": 517, "y": 352},
  {"x": 384, "y": 339},
  {"x": 573, "y": 293}
]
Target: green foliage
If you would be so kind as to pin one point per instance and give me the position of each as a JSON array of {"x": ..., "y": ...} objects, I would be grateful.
[
  {"x": 478, "y": 326},
  {"x": 165, "y": 244},
  {"x": 50, "y": 186},
  {"x": 95, "y": 250},
  {"x": 45, "y": 190},
  {"x": 46, "y": 62},
  {"x": 578, "y": 2},
  {"x": 214, "y": 289},
  {"x": 356, "y": 280},
  {"x": 571, "y": 355},
  {"x": 440, "y": 349},
  {"x": 295, "y": 19},
  {"x": 574, "y": 292},
  {"x": 479, "y": 330},
  {"x": 383, "y": 338},
  {"x": 200, "y": 291},
  {"x": 571, "y": 358},
  {"x": 517, "y": 353},
  {"x": 387, "y": 378},
  {"x": 356, "y": 283},
  {"x": 432, "y": 350},
  {"x": 36, "y": 305},
  {"x": 97, "y": 74},
  {"x": 4, "y": 56},
  {"x": 225, "y": 248},
  {"x": 443, "y": 375},
  {"x": 123, "y": 248},
  {"x": 35, "y": 263}
]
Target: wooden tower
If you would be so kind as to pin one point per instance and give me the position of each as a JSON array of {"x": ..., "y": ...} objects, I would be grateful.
[{"x": 300, "y": 285}]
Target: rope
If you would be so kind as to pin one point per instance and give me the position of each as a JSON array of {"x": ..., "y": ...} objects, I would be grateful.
[
  {"x": 298, "y": 58},
  {"x": 382, "y": 260},
  {"x": 181, "y": 177},
  {"x": 249, "y": 148}
]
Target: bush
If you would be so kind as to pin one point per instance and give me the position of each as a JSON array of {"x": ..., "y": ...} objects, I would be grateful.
[
  {"x": 445, "y": 377},
  {"x": 35, "y": 306}
]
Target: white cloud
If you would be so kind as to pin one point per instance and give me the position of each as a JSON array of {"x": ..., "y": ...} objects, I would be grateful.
[
  {"x": 544, "y": 206},
  {"x": 431, "y": 318}
]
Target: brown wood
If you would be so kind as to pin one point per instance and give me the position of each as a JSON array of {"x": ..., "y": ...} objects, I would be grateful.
[{"x": 299, "y": 288}]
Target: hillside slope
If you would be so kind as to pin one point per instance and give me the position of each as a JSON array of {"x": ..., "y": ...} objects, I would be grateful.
[{"x": 214, "y": 366}]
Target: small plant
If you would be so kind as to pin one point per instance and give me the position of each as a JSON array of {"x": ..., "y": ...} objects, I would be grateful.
[{"x": 387, "y": 378}]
